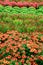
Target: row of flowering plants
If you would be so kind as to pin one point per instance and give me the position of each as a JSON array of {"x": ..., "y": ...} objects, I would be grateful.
[
  {"x": 21, "y": 4},
  {"x": 24, "y": 0},
  {"x": 21, "y": 48},
  {"x": 23, "y": 10},
  {"x": 21, "y": 22}
]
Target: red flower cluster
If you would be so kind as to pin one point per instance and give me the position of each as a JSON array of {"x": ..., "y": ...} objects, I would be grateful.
[{"x": 21, "y": 4}]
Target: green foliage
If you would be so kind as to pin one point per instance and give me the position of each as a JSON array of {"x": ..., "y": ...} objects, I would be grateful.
[
  {"x": 20, "y": 63},
  {"x": 27, "y": 50},
  {"x": 1, "y": 8},
  {"x": 39, "y": 62},
  {"x": 28, "y": 64},
  {"x": 6, "y": 54},
  {"x": 4, "y": 49},
  {"x": 20, "y": 22},
  {"x": 4, "y": 28},
  {"x": 41, "y": 53},
  {"x": 23, "y": 10},
  {"x": 0, "y": 51},
  {"x": 19, "y": 26},
  {"x": 12, "y": 63},
  {"x": 17, "y": 22},
  {"x": 31, "y": 29}
]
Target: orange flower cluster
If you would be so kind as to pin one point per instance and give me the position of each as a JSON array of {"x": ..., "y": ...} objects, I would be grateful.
[{"x": 20, "y": 47}]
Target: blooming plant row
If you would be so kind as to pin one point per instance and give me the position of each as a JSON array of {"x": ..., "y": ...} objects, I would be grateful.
[
  {"x": 23, "y": 10},
  {"x": 21, "y": 4},
  {"x": 24, "y": 0},
  {"x": 21, "y": 22},
  {"x": 21, "y": 48}
]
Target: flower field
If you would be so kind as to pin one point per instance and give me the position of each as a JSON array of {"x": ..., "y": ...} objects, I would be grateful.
[
  {"x": 21, "y": 32},
  {"x": 21, "y": 49}
]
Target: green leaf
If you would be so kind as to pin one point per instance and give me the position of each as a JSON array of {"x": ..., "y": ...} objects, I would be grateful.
[{"x": 20, "y": 63}]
